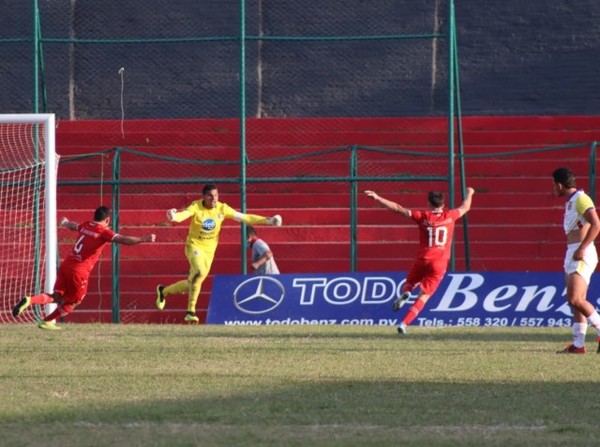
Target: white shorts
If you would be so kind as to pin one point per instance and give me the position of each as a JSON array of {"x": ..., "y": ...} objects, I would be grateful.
[{"x": 586, "y": 267}]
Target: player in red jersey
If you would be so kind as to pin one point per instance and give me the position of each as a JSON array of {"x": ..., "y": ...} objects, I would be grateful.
[
  {"x": 74, "y": 271},
  {"x": 436, "y": 226}
]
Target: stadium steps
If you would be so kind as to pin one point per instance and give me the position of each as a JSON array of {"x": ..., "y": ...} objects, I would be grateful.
[
  {"x": 333, "y": 139},
  {"x": 341, "y": 216},
  {"x": 388, "y": 166},
  {"x": 294, "y": 234},
  {"x": 72, "y": 200},
  {"x": 515, "y": 223}
]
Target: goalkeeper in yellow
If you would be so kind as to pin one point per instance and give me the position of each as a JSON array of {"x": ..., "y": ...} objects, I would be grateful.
[{"x": 202, "y": 240}]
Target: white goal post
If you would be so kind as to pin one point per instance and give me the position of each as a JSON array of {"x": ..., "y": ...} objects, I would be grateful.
[{"x": 28, "y": 177}]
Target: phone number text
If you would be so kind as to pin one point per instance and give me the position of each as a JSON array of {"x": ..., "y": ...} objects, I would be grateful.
[{"x": 495, "y": 322}]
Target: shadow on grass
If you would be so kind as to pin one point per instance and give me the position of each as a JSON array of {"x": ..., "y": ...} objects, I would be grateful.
[
  {"x": 334, "y": 386},
  {"x": 383, "y": 411}
]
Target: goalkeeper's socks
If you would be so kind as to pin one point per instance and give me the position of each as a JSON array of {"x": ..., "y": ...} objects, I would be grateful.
[
  {"x": 412, "y": 313},
  {"x": 42, "y": 298}
]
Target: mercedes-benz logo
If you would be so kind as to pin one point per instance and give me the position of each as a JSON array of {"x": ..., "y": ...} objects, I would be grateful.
[{"x": 258, "y": 295}]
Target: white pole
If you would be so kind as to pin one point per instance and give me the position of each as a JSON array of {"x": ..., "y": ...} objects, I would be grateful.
[
  {"x": 50, "y": 159},
  {"x": 51, "y": 231}
]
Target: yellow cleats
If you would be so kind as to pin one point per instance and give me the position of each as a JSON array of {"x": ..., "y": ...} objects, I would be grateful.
[
  {"x": 191, "y": 318},
  {"x": 48, "y": 325},
  {"x": 21, "y": 306},
  {"x": 160, "y": 298}
]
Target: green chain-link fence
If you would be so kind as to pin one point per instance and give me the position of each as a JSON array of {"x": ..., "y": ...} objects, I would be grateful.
[{"x": 256, "y": 96}]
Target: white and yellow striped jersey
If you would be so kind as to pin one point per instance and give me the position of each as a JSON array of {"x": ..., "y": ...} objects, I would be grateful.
[{"x": 575, "y": 208}]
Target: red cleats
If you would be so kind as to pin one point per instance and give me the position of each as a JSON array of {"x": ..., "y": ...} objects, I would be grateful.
[{"x": 572, "y": 349}]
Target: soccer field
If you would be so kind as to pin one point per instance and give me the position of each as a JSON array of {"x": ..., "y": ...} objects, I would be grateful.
[{"x": 150, "y": 385}]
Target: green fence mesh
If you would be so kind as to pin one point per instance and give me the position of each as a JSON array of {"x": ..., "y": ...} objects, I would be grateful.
[
  {"x": 256, "y": 96},
  {"x": 181, "y": 59}
]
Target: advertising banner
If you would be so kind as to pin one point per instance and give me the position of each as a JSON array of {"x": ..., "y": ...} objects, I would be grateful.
[{"x": 463, "y": 299}]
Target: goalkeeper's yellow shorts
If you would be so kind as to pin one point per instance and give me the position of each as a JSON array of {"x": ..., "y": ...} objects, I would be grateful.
[{"x": 200, "y": 262}]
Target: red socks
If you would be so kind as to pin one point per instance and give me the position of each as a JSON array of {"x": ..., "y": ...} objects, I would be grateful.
[
  {"x": 42, "y": 298},
  {"x": 60, "y": 312},
  {"x": 413, "y": 312}
]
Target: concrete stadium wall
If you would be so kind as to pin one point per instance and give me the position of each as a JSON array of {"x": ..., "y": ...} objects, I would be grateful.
[{"x": 516, "y": 58}]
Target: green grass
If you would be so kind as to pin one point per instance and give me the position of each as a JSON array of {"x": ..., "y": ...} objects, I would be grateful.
[{"x": 138, "y": 385}]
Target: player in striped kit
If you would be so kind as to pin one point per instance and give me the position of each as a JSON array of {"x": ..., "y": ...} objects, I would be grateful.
[
  {"x": 436, "y": 227},
  {"x": 581, "y": 225}
]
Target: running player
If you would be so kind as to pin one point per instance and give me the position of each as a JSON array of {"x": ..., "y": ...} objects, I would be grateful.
[
  {"x": 74, "y": 272},
  {"x": 581, "y": 225},
  {"x": 436, "y": 226},
  {"x": 207, "y": 216}
]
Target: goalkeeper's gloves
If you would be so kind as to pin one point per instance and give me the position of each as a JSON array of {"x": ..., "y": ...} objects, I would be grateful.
[
  {"x": 275, "y": 220},
  {"x": 171, "y": 214}
]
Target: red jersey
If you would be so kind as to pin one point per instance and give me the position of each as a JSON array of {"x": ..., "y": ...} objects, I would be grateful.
[
  {"x": 435, "y": 232},
  {"x": 92, "y": 238}
]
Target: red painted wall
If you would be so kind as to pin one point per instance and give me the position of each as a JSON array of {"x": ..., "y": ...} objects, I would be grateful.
[{"x": 514, "y": 224}]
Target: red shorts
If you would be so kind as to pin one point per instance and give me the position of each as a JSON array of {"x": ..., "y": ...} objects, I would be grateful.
[
  {"x": 428, "y": 273},
  {"x": 71, "y": 284}
]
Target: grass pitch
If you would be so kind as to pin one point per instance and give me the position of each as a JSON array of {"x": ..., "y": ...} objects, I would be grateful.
[{"x": 150, "y": 385}]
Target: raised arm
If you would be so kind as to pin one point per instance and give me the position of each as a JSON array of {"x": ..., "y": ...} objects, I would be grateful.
[
  {"x": 69, "y": 224},
  {"x": 178, "y": 216},
  {"x": 133, "y": 240},
  {"x": 466, "y": 205},
  {"x": 254, "y": 219},
  {"x": 392, "y": 206}
]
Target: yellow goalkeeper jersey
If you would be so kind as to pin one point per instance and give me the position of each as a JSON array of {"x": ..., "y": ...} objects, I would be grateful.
[{"x": 206, "y": 223}]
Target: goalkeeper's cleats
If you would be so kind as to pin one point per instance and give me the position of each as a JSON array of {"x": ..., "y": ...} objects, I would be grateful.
[
  {"x": 160, "y": 298},
  {"x": 191, "y": 318},
  {"x": 48, "y": 325},
  {"x": 21, "y": 306},
  {"x": 572, "y": 349},
  {"x": 598, "y": 350},
  {"x": 402, "y": 329},
  {"x": 400, "y": 301}
]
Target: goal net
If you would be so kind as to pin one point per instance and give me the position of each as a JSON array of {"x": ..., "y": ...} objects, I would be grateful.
[{"x": 28, "y": 166}]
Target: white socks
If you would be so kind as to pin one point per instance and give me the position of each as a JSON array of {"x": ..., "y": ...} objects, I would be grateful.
[
  {"x": 579, "y": 330},
  {"x": 594, "y": 320}
]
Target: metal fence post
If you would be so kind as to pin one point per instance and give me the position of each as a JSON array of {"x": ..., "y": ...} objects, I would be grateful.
[
  {"x": 353, "y": 208},
  {"x": 116, "y": 208},
  {"x": 593, "y": 171}
]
